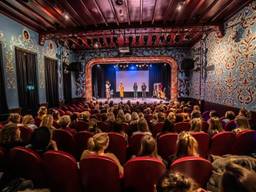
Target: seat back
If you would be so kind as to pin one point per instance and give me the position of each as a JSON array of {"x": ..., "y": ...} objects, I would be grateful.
[
  {"x": 182, "y": 126},
  {"x": 203, "y": 141},
  {"x": 231, "y": 125},
  {"x": 99, "y": 174},
  {"x": 166, "y": 145},
  {"x": 81, "y": 126},
  {"x": 26, "y": 163},
  {"x": 65, "y": 141},
  {"x": 81, "y": 139},
  {"x": 25, "y": 134},
  {"x": 135, "y": 143},
  {"x": 205, "y": 126},
  {"x": 245, "y": 143},
  {"x": 142, "y": 173},
  {"x": 197, "y": 168},
  {"x": 117, "y": 145},
  {"x": 157, "y": 128},
  {"x": 61, "y": 171},
  {"x": 222, "y": 143}
]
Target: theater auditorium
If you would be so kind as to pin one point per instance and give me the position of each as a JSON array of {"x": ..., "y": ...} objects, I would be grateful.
[{"x": 128, "y": 95}]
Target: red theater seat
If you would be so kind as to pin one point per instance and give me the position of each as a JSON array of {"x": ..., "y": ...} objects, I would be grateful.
[
  {"x": 99, "y": 174},
  {"x": 231, "y": 125},
  {"x": 156, "y": 128},
  {"x": 245, "y": 143},
  {"x": 117, "y": 145},
  {"x": 61, "y": 171},
  {"x": 81, "y": 139},
  {"x": 203, "y": 140},
  {"x": 65, "y": 141},
  {"x": 26, "y": 163},
  {"x": 197, "y": 168},
  {"x": 135, "y": 143},
  {"x": 142, "y": 173},
  {"x": 81, "y": 126},
  {"x": 182, "y": 126},
  {"x": 166, "y": 144},
  {"x": 222, "y": 143}
]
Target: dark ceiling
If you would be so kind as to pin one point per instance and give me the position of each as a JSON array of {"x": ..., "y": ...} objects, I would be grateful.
[{"x": 93, "y": 24}]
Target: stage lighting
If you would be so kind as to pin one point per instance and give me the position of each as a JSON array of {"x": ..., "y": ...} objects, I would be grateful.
[
  {"x": 150, "y": 65},
  {"x": 98, "y": 66}
]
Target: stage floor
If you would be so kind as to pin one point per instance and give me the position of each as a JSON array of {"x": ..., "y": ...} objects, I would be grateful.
[{"x": 133, "y": 100}]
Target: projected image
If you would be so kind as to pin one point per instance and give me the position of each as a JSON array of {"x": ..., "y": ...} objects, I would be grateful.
[{"x": 128, "y": 78}]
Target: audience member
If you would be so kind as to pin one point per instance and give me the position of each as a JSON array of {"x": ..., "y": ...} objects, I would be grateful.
[
  {"x": 10, "y": 136},
  {"x": 29, "y": 122}
]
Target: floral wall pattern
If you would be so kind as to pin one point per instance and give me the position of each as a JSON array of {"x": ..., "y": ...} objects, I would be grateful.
[
  {"x": 231, "y": 63},
  {"x": 11, "y": 36},
  {"x": 85, "y": 56}
]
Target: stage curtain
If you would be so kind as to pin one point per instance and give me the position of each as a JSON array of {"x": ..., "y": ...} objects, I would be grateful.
[
  {"x": 3, "y": 102},
  {"x": 67, "y": 86},
  {"x": 51, "y": 82},
  {"x": 27, "y": 80}
]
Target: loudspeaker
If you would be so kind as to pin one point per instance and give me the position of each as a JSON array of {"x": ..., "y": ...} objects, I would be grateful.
[
  {"x": 75, "y": 66},
  {"x": 187, "y": 64}
]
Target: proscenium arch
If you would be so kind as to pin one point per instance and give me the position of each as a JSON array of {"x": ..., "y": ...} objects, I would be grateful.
[{"x": 113, "y": 60}]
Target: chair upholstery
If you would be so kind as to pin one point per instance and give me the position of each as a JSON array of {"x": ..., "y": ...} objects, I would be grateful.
[
  {"x": 142, "y": 173},
  {"x": 166, "y": 145},
  {"x": 104, "y": 126},
  {"x": 25, "y": 134},
  {"x": 81, "y": 126},
  {"x": 157, "y": 128},
  {"x": 245, "y": 142},
  {"x": 26, "y": 163},
  {"x": 197, "y": 168},
  {"x": 182, "y": 126},
  {"x": 99, "y": 174},
  {"x": 231, "y": 125},
  {"x": 61, "y": 171},
  {"x": 135, "y": 143},
  {"x": 203, "y": 140},
  {"x": 81, "y": 139},
  {"x": 222, "y": 143},
  {"x": 117, "y": 145},
  {"x": 65, "y": 141}
]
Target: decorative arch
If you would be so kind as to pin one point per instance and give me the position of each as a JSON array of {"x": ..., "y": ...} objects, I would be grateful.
[{"x": 150, "y": 59}]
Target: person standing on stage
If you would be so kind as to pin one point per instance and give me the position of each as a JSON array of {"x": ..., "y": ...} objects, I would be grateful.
[
  {"x": 135, "y": 90},
  {"x": 121, "y": 90},
  {"x": 143, "y": 89},
  {"x": 108, "y": 85}
]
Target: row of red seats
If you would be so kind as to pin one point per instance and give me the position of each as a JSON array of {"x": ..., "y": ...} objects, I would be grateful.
[{"x": 59, "y": 171}]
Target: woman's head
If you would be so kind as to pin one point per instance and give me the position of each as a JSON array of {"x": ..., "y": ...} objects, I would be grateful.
[
  {"x": 28, "y": 119},
  {"x": 161, "y": 117},
  {"x": 40, "y": 138},
  {"x": 196, "y": 124},
  {"x": 85, "y": 116},
  {"x": 195, "y": 114},
  {"x": 148, "y": 146},
  {"x": 98, "y": 142},
  {"x": 14, "y": 118},
  {"x": 42, "y": 111},
  {"x": 135, "y": 116},
  {"x": 168, "y": 126},
  {"x": 171, "y": 117},
  {"x": 242, "y": 122},
  {"x": 111, "y": 117},
  {"x": 128, "y": 117},
  {"x": 186, "y": 145},
  {"x": 9, "y": 134},
  {"x": 176, "y": 182},
  {"x": 64, "y": 121},
  {"x": 142, "y": 125},
  {"x": 215, "y": 124},
  {"x": 238, "y": 179},
  {"x": 230, "y": 115},
  {"x": 47, "y": 121}
]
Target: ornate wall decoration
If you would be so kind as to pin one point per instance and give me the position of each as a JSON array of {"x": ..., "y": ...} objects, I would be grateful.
[{"x": 233, "y": 81}]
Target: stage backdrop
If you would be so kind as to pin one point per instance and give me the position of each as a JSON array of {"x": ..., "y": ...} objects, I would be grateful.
[{"x": 158, "y": 73}]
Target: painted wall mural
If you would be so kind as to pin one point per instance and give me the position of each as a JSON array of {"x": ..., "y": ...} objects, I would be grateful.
[
  {"x": 231, "y": 63},
  {"x": 13, "y": 34},
  {"x": 85, "y": 56}
]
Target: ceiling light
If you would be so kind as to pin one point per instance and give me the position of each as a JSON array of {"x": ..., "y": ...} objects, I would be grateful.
[
  {"x": 66, "y": 16},
  {"x": 179, "y": 7}
]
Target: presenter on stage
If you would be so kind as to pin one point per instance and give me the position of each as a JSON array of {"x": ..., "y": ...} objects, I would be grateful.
[
  {"x": 121, "y": 90},
  {"x": 143, "y": 89},
  {"x": 135, "y": 90},
  {"x": 108, "y": 85}
]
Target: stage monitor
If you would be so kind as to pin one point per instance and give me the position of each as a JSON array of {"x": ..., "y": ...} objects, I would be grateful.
[{"x": 129, "y": 77}]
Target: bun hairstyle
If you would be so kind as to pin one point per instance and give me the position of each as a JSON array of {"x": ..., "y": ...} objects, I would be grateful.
[
  {"x": 98, "y": 142},
  {"x": 177, "y": 182}
]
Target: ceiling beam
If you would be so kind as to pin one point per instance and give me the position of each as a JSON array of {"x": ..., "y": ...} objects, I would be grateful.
[
  {"x": 167, "y": 10},
  {"x": 114, "y": 11},
  {"x": 88, "y": 13},
  {"x": 141, "y": 11},
  {"x": 192, "y": 13},
  {"x": 154, "y": 12},
  {"x": 220, "y": 11},
  {"x": 208, "y": 9},
  {"x": 128, "y": 11},
  {"x": 101, "y": 13}
]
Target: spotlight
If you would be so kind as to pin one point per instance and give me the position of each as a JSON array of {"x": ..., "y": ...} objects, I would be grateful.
[
  {"x": 66, "y": 16},
  {"x": 98, "y": 66},
  {"x": 150, "y": 65}
]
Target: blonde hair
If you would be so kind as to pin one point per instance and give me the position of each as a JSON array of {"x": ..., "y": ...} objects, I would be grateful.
[
  {"x": 64, "y": 121},
  {"x": 171, "y": 117},
  {"x": 47, "y": 121},
  {"x": 14, "y": 117},
  {"x": 242, "y": 122},
  {"x": 98, "y": 142},
  {"x": 42, "y": 111},
  {"x": 196, "y": 124},
  {"x": 85, "y": 115},
  {"x": 148, "y": 146},
  {"x": 27, "y": 119},
  {"x": 128, "y": 117},
  {"x": 111, "y": 117},
  {"x": 143, "y": 125},
  {"x": 135, "y": 116},
  {"x": 186, "y": 145}
]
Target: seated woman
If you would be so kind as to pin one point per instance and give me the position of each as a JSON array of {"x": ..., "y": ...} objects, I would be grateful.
[
  {"x": 168, "y": 127},
  {"x": 40, "y": 114},
  {"x": 177, "y": 182},
  {"x": 119, "y": 128},
  {"x": 47, "y": 121},
  {"x": 10, "y": 136},
  {"x": 14, "y": 118},
  {"x": 229, "y": 116},
  {"x": 238, "y": 179},
  {"x": 64, "y": 123},
  {"x": 242, "y": 124},
  {"x": 149, "y": 147},
  {"x": 142, "y": 127},
  {"x": 41, "y": 140},
  {"x": 196, "y": 125},
  {"x": 215, "y": 126},
  {"x": 97, "y": 146},
  {"x": 29, "y": 122}
]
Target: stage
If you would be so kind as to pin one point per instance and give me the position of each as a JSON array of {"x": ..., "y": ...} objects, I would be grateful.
[{"x": 134, "y": 100}]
